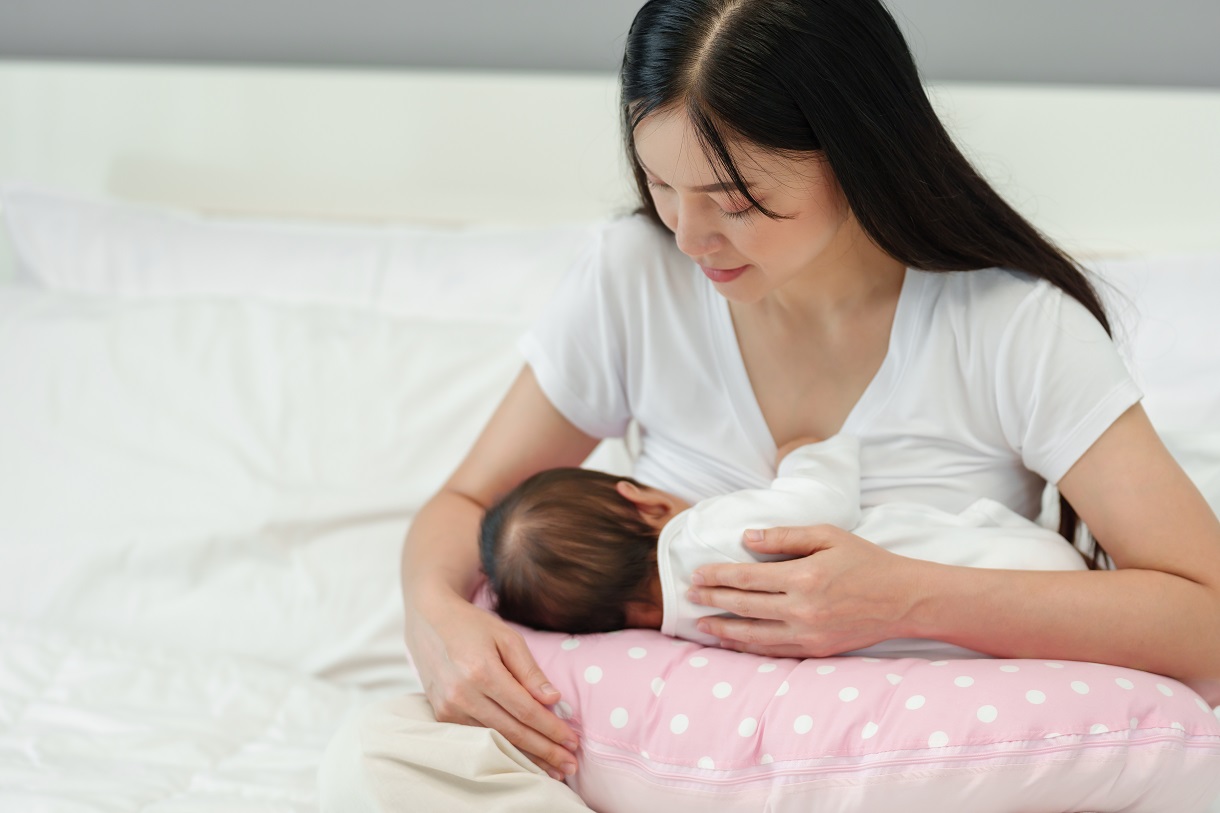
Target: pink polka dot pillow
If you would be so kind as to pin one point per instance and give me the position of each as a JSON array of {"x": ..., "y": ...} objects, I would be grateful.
[{"x": 670, "y": 725}]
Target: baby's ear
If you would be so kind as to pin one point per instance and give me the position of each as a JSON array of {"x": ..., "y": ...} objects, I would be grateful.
[
  {"x": 651, "y": 503},
  {"x": 629, "y": 490}
]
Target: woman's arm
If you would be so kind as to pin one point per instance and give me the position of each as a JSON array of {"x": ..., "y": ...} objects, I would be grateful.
[
  {"x": 1159, "y": 612},
  {"x": 475, "y": 669}
]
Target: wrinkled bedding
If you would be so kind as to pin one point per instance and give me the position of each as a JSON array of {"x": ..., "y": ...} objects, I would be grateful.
[{"x": 89, "y": 724}]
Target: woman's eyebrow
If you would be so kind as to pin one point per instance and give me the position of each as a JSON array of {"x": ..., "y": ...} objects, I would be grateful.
[{"x": 727, "y": 186}]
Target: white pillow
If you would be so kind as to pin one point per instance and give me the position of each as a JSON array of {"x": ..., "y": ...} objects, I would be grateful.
[
  {"x": 69, "y": 243},
  {"x": 1199, "y": 454},
  {"x": 230, "y": 475},
  {"x": 1164, "y": 313}
]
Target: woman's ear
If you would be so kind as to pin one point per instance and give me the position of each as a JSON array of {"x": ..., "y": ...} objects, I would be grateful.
[{"x": 654, "y": 505}]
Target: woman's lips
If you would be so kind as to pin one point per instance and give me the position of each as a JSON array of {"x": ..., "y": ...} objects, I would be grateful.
[{"x": 723, "y": 274}]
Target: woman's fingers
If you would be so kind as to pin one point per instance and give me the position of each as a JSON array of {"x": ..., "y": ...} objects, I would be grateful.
[
  {"x": 769, "y": 651},
  {"x": 760, "y": 577},
  {"x": 742, "y": 602},
  {"x": 748, "y": 631},
  {"x": 552, "y": 758},
  {"x": 477, "y": 662},
  {"x": 524, "y": 705},
  {"x": 769, "y": 576}
]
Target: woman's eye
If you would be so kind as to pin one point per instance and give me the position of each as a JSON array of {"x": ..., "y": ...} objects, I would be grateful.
[{"x": 739, "y": 214}]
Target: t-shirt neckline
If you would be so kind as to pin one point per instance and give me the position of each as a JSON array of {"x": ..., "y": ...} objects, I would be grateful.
[{"x": 875, "y": 396}]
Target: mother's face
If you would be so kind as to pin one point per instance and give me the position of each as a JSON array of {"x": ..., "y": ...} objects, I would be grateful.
[{"x": 720, "y": 230}]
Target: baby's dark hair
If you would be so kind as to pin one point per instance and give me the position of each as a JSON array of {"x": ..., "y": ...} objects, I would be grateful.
[{"x": 564, "y": 551}]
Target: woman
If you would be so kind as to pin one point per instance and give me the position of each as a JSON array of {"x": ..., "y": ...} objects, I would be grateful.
[{"x": 790, "y": 276}]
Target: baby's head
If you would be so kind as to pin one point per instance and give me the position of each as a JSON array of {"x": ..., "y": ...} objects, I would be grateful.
[{"x": 574, "y": 550}]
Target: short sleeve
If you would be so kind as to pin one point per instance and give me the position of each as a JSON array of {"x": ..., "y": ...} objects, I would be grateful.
[
  {"x": 1060, "y": 380},
  {"x": 576, "y": 349}
]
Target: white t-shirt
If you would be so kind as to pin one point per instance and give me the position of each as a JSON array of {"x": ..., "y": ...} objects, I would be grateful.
[
  {"x": 993, "y": 384},
  {"x": 819, "y": 484}
]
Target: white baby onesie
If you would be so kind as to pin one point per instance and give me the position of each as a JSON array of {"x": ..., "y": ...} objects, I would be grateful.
[{"x": 820, "y": 484}]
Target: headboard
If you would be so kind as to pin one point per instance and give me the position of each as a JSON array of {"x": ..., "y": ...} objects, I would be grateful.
[{"x": 1103, "y": 170}]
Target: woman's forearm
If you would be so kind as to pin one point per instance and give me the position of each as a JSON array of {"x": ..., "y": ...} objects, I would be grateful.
[
  {"x": 1142, "y": 619},
  {"x": 441, "y": 549}
]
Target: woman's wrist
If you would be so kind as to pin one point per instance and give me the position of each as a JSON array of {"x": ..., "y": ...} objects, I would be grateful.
[{"x": 930, "y": 589}]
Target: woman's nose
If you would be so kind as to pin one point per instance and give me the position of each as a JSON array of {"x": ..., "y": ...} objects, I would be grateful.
[{"x": 695, "y": 233}]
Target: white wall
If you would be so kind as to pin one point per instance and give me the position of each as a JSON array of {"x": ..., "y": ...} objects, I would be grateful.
[{"x": 1134, "y": 42}]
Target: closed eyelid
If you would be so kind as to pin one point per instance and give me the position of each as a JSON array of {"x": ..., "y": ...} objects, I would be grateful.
[{"x": 727, "y": 186}]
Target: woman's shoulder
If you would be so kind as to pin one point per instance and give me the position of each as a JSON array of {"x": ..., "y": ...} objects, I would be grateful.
[
  {"x": 1006, "y": 310},
  {"x": 986, "y": 290},
  {"x": 988, "y": 299}
]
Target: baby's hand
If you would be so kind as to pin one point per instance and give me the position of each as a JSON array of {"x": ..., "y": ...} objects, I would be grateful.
[{"x": 791, "y": 446}]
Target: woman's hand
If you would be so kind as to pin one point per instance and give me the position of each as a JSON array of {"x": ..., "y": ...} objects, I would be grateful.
[
  {"x": 845, "y": 593},
  {"x": 476, "y": 670}
]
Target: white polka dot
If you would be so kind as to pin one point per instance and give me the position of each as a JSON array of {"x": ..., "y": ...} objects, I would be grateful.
[
  {"x": 1010, "y": 668},
  {"x": 871, "y": 660},
  {"x": 679, "y": 723},
  {"x": 767, "y": 759},
  {"x": 1052, "y": 734},
  {"x": 987, "y": 714},
  {"x": 657, "y": 686},
  {"x": 747, "y": 727},
  {"x": 570, "y": 643},
  {"x": 1080, "y": 687},
  {"x": 706, "y": 762},
  {"x": 644, "y": 754},
  {"x": 618, "y": 717},
  {"x": 1165, "y": 690},
  {"x": 637, "y": 652},
  {"x": 939, "y": 739},
  {"x": 849, "y": 694},
  {"x": 1054, "y": 665},
  {"x": 916, "y": 701},
  {"x": 698, "y": 661},
  {"x": 825, "y": 669},
  {"x": 1123, "y": 683},
  {"x": 803, "y": 724},
  {"x": 1036, "y": 697},
  {"x": 1216, "y": 712},
  {"x": 1135, "y": 722},
  {"x": 1201, "y": 703},
  {"x": 782, "y": 690},
  {"x": 766, "y": 667},
  {"x": 869, "y": 731},
  {"x": 894, "y": 679},
  {"x": 722, "y": 690},
  {"x": 938, "y": 663},
  {"x": 1178, "y": 726},
  {"x": 1098, "y": 728},
  {"x": 963, "y": 681},
  {"x": 593, "y": 674},
  {"x": 563, "y": 711}
]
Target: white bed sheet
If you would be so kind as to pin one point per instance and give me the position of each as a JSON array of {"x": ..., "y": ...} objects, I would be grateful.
[{"x": 90, "y": 724}]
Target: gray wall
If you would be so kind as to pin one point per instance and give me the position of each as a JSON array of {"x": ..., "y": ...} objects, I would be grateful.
[{"x": 1171, "y": 42}]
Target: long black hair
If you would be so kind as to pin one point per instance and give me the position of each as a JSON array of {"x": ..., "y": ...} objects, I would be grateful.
[{"x": 834, "y": 78}]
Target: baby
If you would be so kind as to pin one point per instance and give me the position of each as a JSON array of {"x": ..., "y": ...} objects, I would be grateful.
[{"x": 580, "y": 551}]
